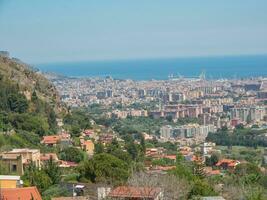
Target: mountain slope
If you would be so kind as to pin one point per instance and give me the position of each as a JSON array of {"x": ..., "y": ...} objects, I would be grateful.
[
  {"x": 29, "y": 105},
  {"x": 28, "y": 80}
]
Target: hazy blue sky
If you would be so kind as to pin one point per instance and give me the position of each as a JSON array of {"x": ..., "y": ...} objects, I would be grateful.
[{"x": 66, "y": 30}]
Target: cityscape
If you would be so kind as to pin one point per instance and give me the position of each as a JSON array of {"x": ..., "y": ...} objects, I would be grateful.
[{"x": 143, "y": 100}]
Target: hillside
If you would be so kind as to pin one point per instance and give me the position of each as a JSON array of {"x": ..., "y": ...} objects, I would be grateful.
[
  {"x": 29, "y": 104},
  {"x": 29, "y": 80}
]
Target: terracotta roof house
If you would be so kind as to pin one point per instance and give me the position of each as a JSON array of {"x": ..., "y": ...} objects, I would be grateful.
[
  {"x": 26, "y": 193},
  {"x": 227, "y": 164},
  {"x": 136, "y": 193},
  {"x": 51, "y": 140}
]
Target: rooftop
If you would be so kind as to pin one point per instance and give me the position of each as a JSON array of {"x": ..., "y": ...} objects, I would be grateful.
[
  {"x": 135, "y": 192},
  {"x": 20, "y": 193},
  {"x": 9, "y": 177},
  {"x": 26, "y": 150}
]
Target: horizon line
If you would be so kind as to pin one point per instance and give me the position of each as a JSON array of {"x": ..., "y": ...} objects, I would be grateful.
[{"x": 149, "y": 58}]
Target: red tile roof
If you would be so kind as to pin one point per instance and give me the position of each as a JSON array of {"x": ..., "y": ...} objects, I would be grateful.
[
  {"x": 51, "y": 139},
  {"x": 171, "y": 157},
  {"x": 228, "y": 162},
  {"x": 135, "y": 192},
  {"x": 88, "y": 132},
  {"x": 67, "y": 164},
  {"x": 210, "y": 172},
  {"x": 20, "y": 193},
  {"x": 164, "y": 168}
]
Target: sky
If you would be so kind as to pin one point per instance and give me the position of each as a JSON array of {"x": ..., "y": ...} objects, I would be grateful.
[{"x": 43, "y": 31}]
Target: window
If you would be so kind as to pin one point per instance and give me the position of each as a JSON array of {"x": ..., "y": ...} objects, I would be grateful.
[{"x": 14, "y": 168}]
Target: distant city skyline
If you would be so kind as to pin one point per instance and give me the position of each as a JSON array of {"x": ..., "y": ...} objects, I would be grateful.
[{"x": 62, "y": 31}]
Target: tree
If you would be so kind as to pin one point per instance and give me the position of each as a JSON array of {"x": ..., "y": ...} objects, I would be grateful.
[
  {"x": 41, "y": 180},
  {"x": 35, "y": 177},
  {"x": 17, "y": 103},
  {"x": 255, "y": 126},
  {"x": 3, "y": 170},
  {"x": 52, "y": 169},
  {"x": 184, "y": 170},
  {"x": 56, "y": 191},
  {"x": 239, "y": 126},
  {"x": 75, "y": 131},
  {"x": 224, "y": 128},
  {"x": 78, "y": 118},
  {"x": 132, "y": 150},
  {"x": 104, "y": 167},
  {"x": 34, "y": 97},
  {"x": 52, "y": 119},
  {"x": 28, "y": 122},
  {"x": 119, "y": 153},
  {"x": 201, "y": 188},
  {"x": 113, "y": 146},
  {"x": 99, "y": 148},
  {"x": 143, "y": 144},
  {"x": 212, "y": 160},
  {"x": 169, "y": 118},
  {"x": 199, "y": 170},
  {"x": 248, "y": 173},
  {"x": 163, "y": 162},
  {"x": 72, "y": 154}
]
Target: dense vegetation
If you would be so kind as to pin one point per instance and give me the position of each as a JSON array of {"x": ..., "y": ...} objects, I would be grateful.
[
  {"x": 132, "y": 125},
  {"x": 76, "y": 121},
  {"x": 240, "y": 137},
  {"x": 27, "y": 110}
]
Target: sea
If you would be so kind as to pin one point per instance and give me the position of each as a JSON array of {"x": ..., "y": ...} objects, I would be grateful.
[{"x": 221, "y": 67}]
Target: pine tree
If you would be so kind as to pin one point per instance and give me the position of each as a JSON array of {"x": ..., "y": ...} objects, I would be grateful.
[{"x": 199, "y": 170}]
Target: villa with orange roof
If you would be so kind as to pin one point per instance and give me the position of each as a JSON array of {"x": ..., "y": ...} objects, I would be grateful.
[
  {"x": 51, "y": 140},
  {"x": 227, "y": 164}
]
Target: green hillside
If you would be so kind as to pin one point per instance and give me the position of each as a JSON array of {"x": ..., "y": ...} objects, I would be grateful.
[{"x": 29, "y": 105}]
